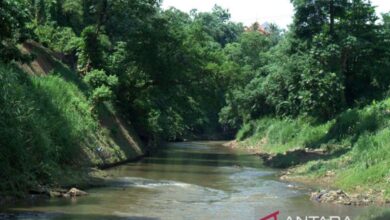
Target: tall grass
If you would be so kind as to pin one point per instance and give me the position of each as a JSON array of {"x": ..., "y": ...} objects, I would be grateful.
[
  {"x": 276, "y": 135},
  {"x": 43, "y": 123},
  {"x": 363, "y": 134}
]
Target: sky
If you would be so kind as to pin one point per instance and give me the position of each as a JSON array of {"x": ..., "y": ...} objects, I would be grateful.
[{"x": 249, "y": 11}]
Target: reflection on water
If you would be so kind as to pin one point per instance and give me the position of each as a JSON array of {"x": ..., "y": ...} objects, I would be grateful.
[{"x": 195, "y": 180}]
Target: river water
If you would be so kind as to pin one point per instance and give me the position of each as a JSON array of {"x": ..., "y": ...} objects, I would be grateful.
[{"x": 190, "y": 180}]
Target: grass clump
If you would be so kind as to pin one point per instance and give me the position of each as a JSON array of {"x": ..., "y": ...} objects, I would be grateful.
[
  {"x": 43, "y": 120},
  {"x": 358, "y": 142},
  {"x": 245, "y": 131},
  {"x": 47, "y": 125},
  {"x": 278, "y": 135}
]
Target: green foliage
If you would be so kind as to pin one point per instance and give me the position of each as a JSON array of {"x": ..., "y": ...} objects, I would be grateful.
[
  {"x": 311, "y": 17},
  {"x": 279, "y": 135},
  {"x": 217, "y": 25},
  {"x": 91, "y": 52},
  {"x": 333, "y": 57},
  {"x": 175, "y": 74},
  {"x": 245, "y": 96},
  {"x": 97, "y": 78},
  {"x": 13, "y": 19},
  {"x": 357, "y": 138},
  {"x": 61, "y": 39},
  {"x": 245, "y": 132},
  {"x": 354, "y": 40},
  {"x": 101, "y": 94},
  {"x": 345, "y": 129},
  {"x": 197, "y": 65},
  {"x": 102, "y": 85},
  {"x": 321, "y": 94},
  {"x": 43, "y": 122}
]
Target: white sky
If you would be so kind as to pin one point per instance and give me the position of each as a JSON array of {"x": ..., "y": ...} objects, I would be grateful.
[{"x": 249, "y": 11}]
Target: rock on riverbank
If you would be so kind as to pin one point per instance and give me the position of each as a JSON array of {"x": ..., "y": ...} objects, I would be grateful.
[
  {"x": 340, "y": 197},
  {"x": 73, "y": 192}
]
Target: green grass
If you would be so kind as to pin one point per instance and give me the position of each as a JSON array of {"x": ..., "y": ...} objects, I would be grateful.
[
  {"x": 47, "y": 125},
  {"x": 362, "y": 135},
  {"x": 280, "y": 135}
]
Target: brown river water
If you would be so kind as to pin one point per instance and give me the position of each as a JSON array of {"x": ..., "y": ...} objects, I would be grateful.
[{"x": 189, "y": 180}]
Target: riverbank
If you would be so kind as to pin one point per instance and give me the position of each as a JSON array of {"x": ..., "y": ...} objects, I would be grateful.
[
  {"x": 200, "y": 180},
  {"x": 83, "y": 178},
  {"x": 349, "y": 153},
  {"x": 51, "y": 133}
]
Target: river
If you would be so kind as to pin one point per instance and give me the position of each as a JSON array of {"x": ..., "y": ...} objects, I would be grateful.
[{"x": 189, "y": 180}]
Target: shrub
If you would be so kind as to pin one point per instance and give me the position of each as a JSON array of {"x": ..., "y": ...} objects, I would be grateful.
[
  {"x": 101, "y": 94},
  {"x": 96, "y": 78},
  {"x": 61, "y": 39},
  {"x": 102, "y": 85}
]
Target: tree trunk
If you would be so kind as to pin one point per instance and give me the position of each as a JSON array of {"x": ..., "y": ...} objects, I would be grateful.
[
  {"x": 100, "y": 21},
  {"x": 331, "y": 17}
]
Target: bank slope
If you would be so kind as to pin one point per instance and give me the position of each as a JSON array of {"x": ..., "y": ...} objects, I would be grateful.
[
  {"x": 49, "y": 130},
  {"x": 351, "y": 152}
]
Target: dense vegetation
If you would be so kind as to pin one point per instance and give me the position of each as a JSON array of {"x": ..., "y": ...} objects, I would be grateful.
[
  {"x": 35, "y": 137},
  {"x": 320, "y": 86},
  {"x": 327, "y": 62},
  {"x": 357, "y": 142},
  {"x": 47, "y": 129},
  {"x": 176, "y": 75}
]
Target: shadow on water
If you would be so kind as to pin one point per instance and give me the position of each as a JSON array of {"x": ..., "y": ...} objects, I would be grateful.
[
  {"x": 172, "y": 171},
  {"x": 66, "y": 216},
  {"x": 177, "y": 157}
]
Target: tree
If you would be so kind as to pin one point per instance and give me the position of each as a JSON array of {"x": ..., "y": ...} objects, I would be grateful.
[
  {"x": 14, "y": 17},
  {"x": 217, "y": 25},
  {"x": 344, "y": 36},
  {"x": 314, "y": 17}
]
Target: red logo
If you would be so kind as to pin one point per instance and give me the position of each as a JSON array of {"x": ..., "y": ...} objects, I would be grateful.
[{"x": 272, "y": 216}]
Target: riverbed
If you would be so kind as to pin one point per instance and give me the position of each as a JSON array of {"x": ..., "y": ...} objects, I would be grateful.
[{"x": 187, "y": 180}]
